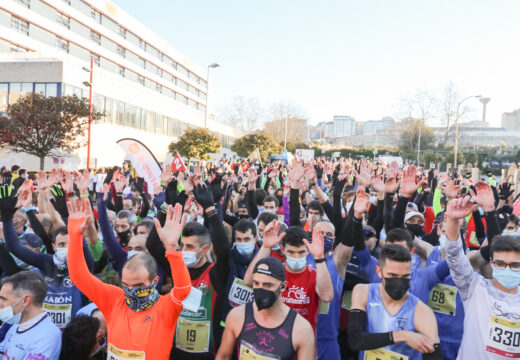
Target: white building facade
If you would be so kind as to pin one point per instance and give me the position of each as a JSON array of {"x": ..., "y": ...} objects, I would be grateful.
[{"x": 147, "y": 89}]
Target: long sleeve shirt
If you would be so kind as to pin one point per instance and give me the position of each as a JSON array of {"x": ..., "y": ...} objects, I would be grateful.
[{"x": 152, "y": 330}]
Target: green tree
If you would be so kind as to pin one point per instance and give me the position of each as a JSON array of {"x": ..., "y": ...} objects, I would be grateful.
[
  {"x": 41, "y": 126},
  {"x": 248, "y": 143},
  {"x": 196, "y": 143},
  {"x": 412, "y": 129}
]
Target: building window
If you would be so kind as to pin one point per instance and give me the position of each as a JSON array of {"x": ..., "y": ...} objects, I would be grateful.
[
  {"x": 96, "y": 15},
  {"x": 121, "y": 51},
  {"x": 97, "y": 59},
  {"x": 122, "y": 31},
  {"x": 25, "y": 3},
  {"x": 62, "y": 44},
  {"x": 20, "y": 25},
  {"x": 94, "y": 36},
  {"x": 158, "y": 87},
  {"x": 62, "y": 19},
  {"x": 122, "y": 71},
  {"x": 140, "y": 79},
  {"x": 142, "y": 45},
  {"x": 142, "y": 63}
]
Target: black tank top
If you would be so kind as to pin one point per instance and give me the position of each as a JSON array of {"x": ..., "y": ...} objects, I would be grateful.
[{"x": 275, "y": 343}]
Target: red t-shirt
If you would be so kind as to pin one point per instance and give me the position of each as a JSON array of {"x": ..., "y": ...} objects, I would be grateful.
[
  {"x": 429, "y": 218},
  {"x": 301, "y": 295}
]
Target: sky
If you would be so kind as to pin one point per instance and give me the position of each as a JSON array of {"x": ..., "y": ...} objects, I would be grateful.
[{"x": 346, "y": 57}]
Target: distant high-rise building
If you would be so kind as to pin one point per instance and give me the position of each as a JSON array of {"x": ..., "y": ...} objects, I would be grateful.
[
  {"x": 511, "y": 120},
  {"x": 371, "y": 127},
  {"x": 344, "y": 125}
]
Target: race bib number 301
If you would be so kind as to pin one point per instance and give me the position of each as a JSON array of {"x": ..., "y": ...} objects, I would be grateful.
[
  {"x": 383, "y": 354},
  {"x": 240, "y": 293},
  {"x": 118, "y": 354},
  {"x": 504, "y": 338}
]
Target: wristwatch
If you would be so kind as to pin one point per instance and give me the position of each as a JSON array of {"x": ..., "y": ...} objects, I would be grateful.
[{"x": 317, "y": 261}]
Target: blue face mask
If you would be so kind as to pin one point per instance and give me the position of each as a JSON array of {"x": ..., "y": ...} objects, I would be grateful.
[
  {"x": 296, "y": 264},
  {"x": 328, "y": 243},
  {"x": 260, "y": 240},
  {"x": 245, "y": 248},
  {"x": 132, "y": 253},
  {"x": 276, "y": 247},
  {"x": 506, "y": 277},
  {"x": 373, "y": 199}
]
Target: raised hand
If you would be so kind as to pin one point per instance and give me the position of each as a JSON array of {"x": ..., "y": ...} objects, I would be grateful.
[
  {"x": 271, "y": 237},
  {"x": 451, "y": 190},
  {"x": 379, "y": 184},
  {"x": 67, "y": 184},
  {"x": 204, "y": 196},
  {"x": 82, "y": 181},
  {"x": 391, "y": 185},
  {"x": 316, "y": 247},
  {"x": 252, "y": 176},
  {"x": 296, "y": 173},
  {"x": 361, "y": 203},
  {"x": 24, "y": 198},
  {"x": 166, "y": 175},
  {"x": 105, "y": 189},
  {"x": 54, "y": 178},
  {"x": 392, "y": 170},
  {"x": 459, "y": 208},
  {"x": 365, "y": 175},
  {"x": 119, "y": 182},
  {"x": 7, "y": 202},
  {"x": 78, "y": 208},
  {"x": 504, "y": 190},
  {"x": 59, "y": 200},
  {"x": 310, "y": 173},
  {"x": 408, "y": 184},
  {"x": 42, "y": 182},
  {"x": 484, "y": 196},
  {"x": 172, "y": 229}
]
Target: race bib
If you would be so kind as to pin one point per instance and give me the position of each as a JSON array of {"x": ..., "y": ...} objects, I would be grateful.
[
  {"x": 118, "y": 354},
  {"x": 504, "y": 337},
  {"x": 346, "y": 302},
  {"x": 324, "y": 308},
  {"x": 60, "y": 314},
  {"x": 192, "y": 336},
  {"x": 248, "y": 352},
  {"x": 240, "y": 293},
  {"x": 383, "y": 354},
  {"x": 443, "y": 299}
]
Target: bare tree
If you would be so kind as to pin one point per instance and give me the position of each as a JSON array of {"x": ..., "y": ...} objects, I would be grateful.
[
  {"x": 296, "y": 119},
  {"x": 421, "y": 105},
  {"x": 244, "y": 114},
  {"x": 448, "y": 109}
]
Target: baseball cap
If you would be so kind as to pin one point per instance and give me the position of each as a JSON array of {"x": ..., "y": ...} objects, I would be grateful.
[
  {"x": 270, "y": 266},
  {"x": 412, "y": 206},
  {"x": 411, "y": 214},
  {"x": 32, "y": 240}
]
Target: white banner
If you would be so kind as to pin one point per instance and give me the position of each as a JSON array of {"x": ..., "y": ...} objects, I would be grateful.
[
  {"x": 143, "y": 161},
  {"x": 304, "y": 154}
]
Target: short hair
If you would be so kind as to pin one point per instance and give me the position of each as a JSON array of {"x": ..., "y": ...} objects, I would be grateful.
[
  {"x": 505, "y": 243},
  {"x": 266, "y": 217},
  {"x": 271, "y": 199},
  {"x": 62, "y": 230},
  {"x": 514, "y": 219},
  {"x": 134, "y": 200},
  {"x": 260, "y": 195},
  {"x": 29, "y": 281},
  {"x": 21, "y": 171},
  {"x": 128, "y": 215},
  {"x": 315, "y": 205},
  {"x": 294, "y": 236},
  {"x": 14, "y": 168},
  {"x": 143, "y": 259},
  {"x": 243, "y": 225},
  {"x": 147, "y": 223},
  {"x": 193, "y": 228},
  {"x": 400, "y": 234},
  {"x": 79, "y": 337},
  {"x": 395, "y": 253}
]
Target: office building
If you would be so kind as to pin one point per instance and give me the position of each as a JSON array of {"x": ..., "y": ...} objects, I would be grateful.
[
  {"x": 147, "y": 89},
  {"x": 344, "y": 125},
  {"x": 511, "y": 120}
]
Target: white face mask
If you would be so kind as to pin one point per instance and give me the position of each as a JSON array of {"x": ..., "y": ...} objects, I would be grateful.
[
  {"x": 442, "y": 241},
  {"x": 7, "y": 314},
  {"x": 511, "y": 232},
  {"x": 349, "y": 205},
  {"x": 133, "y": 252},
  {"x": 61, "y": 255},
  {"x": 190, "y": 258}
]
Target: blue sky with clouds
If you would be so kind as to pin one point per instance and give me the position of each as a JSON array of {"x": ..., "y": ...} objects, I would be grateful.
[{"x": 342, "y": 56}]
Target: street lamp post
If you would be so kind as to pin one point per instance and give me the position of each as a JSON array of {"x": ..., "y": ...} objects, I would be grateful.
[
  {"x": 419, "y": 142},
  {"x": 457, "y": 128},
  {"x": 89, "y": 84},
  {"x": 214, "y": 65}
]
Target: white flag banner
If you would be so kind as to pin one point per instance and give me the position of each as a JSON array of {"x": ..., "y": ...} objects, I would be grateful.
[{"x": 143, "y": 161}]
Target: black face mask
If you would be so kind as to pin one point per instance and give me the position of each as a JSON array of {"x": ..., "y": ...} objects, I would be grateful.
[
  {"x": 280, "y": 200},
  {"x": 416, "y": 229},
  {"x": 123, "y": 237},
  {"x": 264, "y": 299},
  {"x": 243, "y": 216},
  {"x": 396, "y": 288}
]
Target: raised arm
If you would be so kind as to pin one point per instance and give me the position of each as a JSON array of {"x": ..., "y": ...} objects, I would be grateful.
[{"x": 324, "y": 287}]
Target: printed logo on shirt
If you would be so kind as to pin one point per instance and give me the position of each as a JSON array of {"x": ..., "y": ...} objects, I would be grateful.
[
  {"x": 264, "y": 341},
  {"x": 401, "y": 323},
  {"x": 296, "y": 295},
  {"x": 67, "y": 282},
  {"x": 147, "y": 319}
]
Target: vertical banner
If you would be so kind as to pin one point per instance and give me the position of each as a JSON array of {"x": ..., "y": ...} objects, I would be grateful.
[{"x": 143, "y": 161}]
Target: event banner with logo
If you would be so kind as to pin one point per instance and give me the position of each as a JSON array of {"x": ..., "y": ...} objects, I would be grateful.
[{"x": 143, "y": 161}]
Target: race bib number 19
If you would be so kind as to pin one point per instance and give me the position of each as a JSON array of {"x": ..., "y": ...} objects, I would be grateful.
[
  {"x": 192, "y": 336},
  {"x": 504, "y": 338}
]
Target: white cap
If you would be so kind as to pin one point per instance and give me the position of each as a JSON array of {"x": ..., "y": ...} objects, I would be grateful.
[{"x": 411, "y": 214}]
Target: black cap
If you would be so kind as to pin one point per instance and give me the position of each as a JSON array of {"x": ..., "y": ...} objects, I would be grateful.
[{"x": 270, "y": 266}]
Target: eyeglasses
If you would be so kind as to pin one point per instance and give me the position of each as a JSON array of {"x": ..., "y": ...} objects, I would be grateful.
[{"x": 500, "y": 265}]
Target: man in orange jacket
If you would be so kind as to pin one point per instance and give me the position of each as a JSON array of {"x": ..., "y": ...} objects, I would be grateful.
[{"x": 140, "y": 322}]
